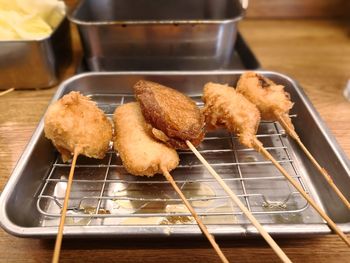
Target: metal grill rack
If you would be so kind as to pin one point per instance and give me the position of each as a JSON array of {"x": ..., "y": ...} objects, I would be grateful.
[{"x": 104, "y": 193}]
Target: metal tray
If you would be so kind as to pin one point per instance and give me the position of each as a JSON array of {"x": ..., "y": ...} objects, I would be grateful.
[
  {"x": 242, "y": 57},
  {"x": 33, "y": 64},
  {"x": 107, "y": 201},
  {"x": 173, "y": 34}
]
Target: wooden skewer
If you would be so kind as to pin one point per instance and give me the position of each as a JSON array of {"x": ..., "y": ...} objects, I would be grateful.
[
  {"x": 325, "y": 174},
  {"x": 195, "y": 216},
  {"x": 238, "y": 202},
  {"x": 6, "y": 91},
  {"x": 329, "y": 221},
  {"x": 56, "y": 254}
]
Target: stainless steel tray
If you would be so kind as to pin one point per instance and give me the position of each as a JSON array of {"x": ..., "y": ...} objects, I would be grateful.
[{"x": 106, "y": 201}]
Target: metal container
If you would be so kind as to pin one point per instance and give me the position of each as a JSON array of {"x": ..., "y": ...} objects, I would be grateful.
[
  {"x": 155, "y": 33},
  {"x": 33, "y": 64},
  {"x": 241, "y": 58},
  {"x": 107, "y": 201}
]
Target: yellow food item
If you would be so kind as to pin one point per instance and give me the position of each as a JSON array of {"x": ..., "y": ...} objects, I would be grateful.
[
  {"x": 6, "y": 30},
  {"x": 29, "y": 19}
]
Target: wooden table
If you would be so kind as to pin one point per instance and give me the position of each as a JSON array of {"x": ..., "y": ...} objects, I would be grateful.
[{"x": 315, "y": 52}]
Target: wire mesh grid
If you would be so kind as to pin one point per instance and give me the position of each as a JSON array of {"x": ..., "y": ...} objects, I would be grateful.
[{"x": 102, "y": 190}]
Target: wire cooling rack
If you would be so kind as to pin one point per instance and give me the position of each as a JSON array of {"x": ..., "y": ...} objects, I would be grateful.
[{"x": 105, "y": 193}]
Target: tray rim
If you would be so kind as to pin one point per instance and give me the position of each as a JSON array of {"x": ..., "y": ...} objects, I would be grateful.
[{"x": 298, "y": 230}]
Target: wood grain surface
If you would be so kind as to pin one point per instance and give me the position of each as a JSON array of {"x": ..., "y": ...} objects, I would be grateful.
[
  {"x": 298, "y": 8},
  {"x": 314, "y": 52}
]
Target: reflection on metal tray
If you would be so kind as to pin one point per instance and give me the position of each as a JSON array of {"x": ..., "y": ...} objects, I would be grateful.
[
  {"x": 107, "y": 201},
  {"x": 242, "y": 57}
]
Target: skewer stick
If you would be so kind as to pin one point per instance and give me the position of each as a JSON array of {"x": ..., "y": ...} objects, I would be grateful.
[
  {"x": 238, "y": 202},
  {"x": 325, "y": 174},
  {"x": 6, "y": 91},
  {"x": 329, "y": 221},
  {"x": 56, "y": 254},
  {"x": 195, "y": 216}
]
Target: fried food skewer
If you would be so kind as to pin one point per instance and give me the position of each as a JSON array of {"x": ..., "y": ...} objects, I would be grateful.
[
  {"x": 76, "y": 121},
  {"x": 76, "y": 125},
  {"x": 175, "y": 115},
  {"x": 58, "y": 243},
  {"x": 226, "y": 107},
  {"x": 6, "y": 91},
  {"x": 323, "y": 171},
  {"x": 145, "y": 156},
  {"x": 195, "y": 216},
  {"x": 274, "y": 104},
  {"x": 329, "y": 221},
  {"x": 280, "y": 253}
]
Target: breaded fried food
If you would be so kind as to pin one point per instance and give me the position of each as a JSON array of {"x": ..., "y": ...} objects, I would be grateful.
[
  {"x": 76, "y": 121},
  {"x": 140, "y": 152},
  {"x": 271, "y": 99},
  {"x": 174, "y": 116},
  {"x": 226, "y": 107}
]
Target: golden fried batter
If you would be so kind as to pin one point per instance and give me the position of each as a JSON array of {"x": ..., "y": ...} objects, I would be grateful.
[
  {"x": 271, "y": 99},
  {"x": 140, "y": 152},
  {"x": 76, "y": 121},
  {"x": 225, "y": 107},
  {"x": 174, "y": 116}
]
